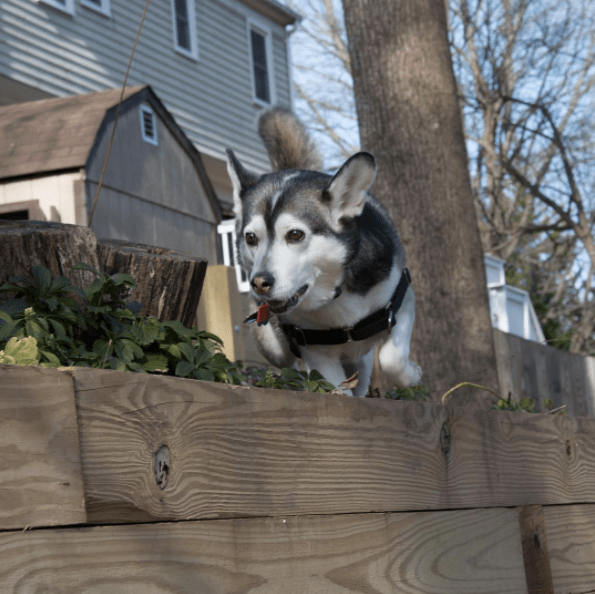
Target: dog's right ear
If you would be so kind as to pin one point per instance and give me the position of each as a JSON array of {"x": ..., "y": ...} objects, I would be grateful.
[{"x": 241, "y": 179}]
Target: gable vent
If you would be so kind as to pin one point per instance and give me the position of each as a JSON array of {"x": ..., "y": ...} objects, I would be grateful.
[{"x": 148, "y": 125}]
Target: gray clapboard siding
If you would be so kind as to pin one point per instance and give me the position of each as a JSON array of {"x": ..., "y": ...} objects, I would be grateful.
[{"x": 211, "y": 98}]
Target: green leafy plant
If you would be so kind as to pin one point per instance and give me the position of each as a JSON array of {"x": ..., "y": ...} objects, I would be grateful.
[
  {"x": 421, "y": 393},
  {"x": 105, "y": 331},
  {"x": 527, "y": 404},
  {"x": 20, "y": 351},
  {"x": 289, "y": 379}
]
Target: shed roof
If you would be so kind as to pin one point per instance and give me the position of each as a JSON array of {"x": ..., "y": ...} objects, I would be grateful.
[
  {"x": 52, "y": 134},
  {"x": 59, "y": 134}
]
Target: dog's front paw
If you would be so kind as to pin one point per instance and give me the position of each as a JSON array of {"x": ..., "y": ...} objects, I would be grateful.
[
  {"x": 410, "y": 376},
  {"x": 395, "y": 362}
]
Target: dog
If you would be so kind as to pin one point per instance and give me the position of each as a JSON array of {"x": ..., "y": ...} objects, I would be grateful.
[{"x": 326, "y": 267}]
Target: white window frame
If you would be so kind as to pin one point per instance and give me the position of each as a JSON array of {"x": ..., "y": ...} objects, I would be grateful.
[
  {"x": 226, "y": 229},
  {"x": 193, "y": 51},
  {"x": 104, "y": 8},
  {"x": 143, "y": 109},
  {"x": 263, "y": 30},
  {"x": 67, "y": 7}
]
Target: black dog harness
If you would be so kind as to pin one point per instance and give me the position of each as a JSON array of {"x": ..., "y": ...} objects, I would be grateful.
[{"x": 383, "y": 319}]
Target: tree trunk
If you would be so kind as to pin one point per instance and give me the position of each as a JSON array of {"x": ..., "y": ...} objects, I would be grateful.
[
  {"x": 168, "y": 283},
  {"x": 58, "y": 247},
  {"x": 409, "y": 117}
]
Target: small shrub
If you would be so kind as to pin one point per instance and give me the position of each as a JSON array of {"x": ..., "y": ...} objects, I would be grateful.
[
  {"x": 105, "y": 332},
  {"x": 420, "y": 393}
]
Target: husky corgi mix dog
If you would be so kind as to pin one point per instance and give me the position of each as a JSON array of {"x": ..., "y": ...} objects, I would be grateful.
[{"x": 321, "y": 253}]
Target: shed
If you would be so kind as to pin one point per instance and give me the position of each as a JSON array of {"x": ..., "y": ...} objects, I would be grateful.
[{"x": 155, "y": 190}]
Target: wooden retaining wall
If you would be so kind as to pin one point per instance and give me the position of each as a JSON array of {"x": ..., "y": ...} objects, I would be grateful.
[
  {"x": 541, "y": 372},
  {"x": 120, "y": 482}
]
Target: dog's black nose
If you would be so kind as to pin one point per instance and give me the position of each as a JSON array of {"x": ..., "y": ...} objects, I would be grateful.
[{"x": 263, "y": 283}]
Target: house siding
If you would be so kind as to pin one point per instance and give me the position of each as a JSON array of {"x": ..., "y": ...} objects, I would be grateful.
[
  {"x": 210, "y": 98},
  {"x": 55, "y": 194}
]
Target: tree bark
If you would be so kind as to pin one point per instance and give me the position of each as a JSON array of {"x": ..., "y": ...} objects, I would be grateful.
[
  {"x": 168, "y": 283},
  {"x": 409, "y": 117},
  {"x": 58, "y": 247}
]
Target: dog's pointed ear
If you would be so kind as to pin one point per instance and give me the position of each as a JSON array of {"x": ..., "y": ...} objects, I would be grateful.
[
  {"x": 241, "y": 179},
  {"x": 346, "y": 192}
]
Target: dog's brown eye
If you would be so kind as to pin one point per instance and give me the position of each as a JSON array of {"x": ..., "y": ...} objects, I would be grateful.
[
  {"x": 251, "y": 239},
  {"x": 295, "y": 235}
]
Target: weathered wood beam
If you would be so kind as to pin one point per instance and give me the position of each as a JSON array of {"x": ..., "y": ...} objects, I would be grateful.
[
  {"x": 476, "y": 551},
  {"x": 41, "y": 481},
  {"x": 238, "y": 451}
]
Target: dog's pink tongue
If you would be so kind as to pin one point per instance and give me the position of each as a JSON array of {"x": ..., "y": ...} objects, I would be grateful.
[{"x": 263, "y": 314}]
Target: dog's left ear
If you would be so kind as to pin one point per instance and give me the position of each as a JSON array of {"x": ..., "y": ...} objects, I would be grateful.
[
  {"x": 241, "y": 179},
  {"x": 346, "y": 192}
]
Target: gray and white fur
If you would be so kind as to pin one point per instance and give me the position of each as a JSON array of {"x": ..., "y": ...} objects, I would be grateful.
[{"x": 304, "y": 237}]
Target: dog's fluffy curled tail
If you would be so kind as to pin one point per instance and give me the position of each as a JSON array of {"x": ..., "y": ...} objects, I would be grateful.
[{"x": 287, "y": 141}]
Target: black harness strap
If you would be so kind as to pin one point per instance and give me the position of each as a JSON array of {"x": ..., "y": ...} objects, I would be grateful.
[{"x": 383, "y": 319}]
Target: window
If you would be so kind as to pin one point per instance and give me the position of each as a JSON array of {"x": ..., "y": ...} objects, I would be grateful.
[
  {"x": 15, "y": 215},
  {"x": 227, "y": 232},
  {"x": 148, "y": 125},
  {"x": 184, "y": 22},
  {"x": 25, "y": 210},
  {"x": 102, "y": 6},
  {"x": 63, "y": 5},
  {"x": 260, "y": 51}
]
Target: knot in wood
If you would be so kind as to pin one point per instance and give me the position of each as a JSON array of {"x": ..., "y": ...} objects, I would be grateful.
[
  {"x": 568, "y": 447},
  {"x": 445, "y": 438},
  {"x": 162, "y": 466}
]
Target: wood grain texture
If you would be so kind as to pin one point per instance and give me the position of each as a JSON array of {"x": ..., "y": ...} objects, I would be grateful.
[
  {"x": 571, "y": 541},
  {"x": 458, "y": 552},
  {"x": 535, "y": 550},
  {"x": 59, "y": 247},
  {"x": 236, "y": 452},
  {"x": 541, "y": 372},
  {"x": 168, "y": 283},
  {"x": 40, "y": 469}
]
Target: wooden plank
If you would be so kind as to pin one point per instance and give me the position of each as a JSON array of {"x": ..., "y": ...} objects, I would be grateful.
[
  {"x": 237, "y": 452},
  {"x": 504, "y": 360},
  {"x": 459, "y": 552},
  {"x": 40, "y": 468},
  {"x": 571, "y": 542},
  {"x": 535, "y": 550}
]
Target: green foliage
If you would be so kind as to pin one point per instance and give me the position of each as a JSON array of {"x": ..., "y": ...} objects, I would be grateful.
[
  {"x": 21, "y": 351},
  {"x": 525, "y": 404},
  {"x": 103, "y": 332},
  {"x": 421, "y": 393},
  {"x": 290, "y": 379}
]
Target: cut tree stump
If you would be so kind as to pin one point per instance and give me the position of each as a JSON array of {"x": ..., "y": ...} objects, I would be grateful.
[
  {"x": 58, "y": 247},
  {"x": 168, "y": 283}
]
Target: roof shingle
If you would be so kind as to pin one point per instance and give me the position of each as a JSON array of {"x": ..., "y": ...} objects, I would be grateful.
[{"x": 53, "y": 134}]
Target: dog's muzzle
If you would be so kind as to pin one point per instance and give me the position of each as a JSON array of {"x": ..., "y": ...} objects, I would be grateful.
[{"x": 279, "y": 306}]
